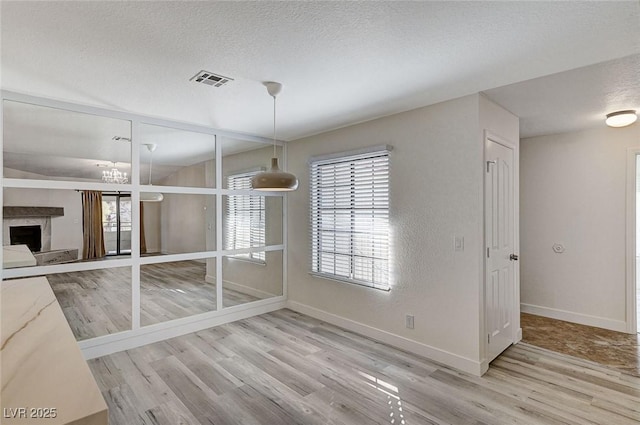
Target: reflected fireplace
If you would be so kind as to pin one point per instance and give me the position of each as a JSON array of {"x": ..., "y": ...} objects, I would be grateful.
[{"x": 26, "y": 235}]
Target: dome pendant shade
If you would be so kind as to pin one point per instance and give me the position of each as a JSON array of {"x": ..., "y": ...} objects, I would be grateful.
[{"x": 274, "y": 180}]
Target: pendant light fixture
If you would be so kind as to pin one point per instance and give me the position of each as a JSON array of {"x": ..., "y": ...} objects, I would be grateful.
[
  {"x": 275, "y": 179},
  {"x": 621, "y": 118},
  {"x": 151, "y": 196}
]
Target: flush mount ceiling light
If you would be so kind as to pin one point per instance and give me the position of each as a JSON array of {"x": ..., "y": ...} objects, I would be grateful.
[
  {"x": 151, "y": 196},
  {"x": 621, "y": 118},
  {"x": 274, "y": 180}
]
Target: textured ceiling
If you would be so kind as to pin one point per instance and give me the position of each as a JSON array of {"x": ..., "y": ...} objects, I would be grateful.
[
  {"x": 340, "y": 62},
  {"x": 572, "y": 100}
]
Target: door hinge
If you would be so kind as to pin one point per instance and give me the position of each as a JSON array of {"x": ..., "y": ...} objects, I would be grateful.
[
  {"x": 488, "y": 253},
  {"x": 489, "y": 163},
  {"x": 488, "y": 338}
]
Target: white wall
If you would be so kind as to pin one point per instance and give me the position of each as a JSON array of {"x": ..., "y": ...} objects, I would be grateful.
[
  {"x": 152, "y": 226},
  {"x": 573, "y": 192},
  {"x": 436, "y": 193}
]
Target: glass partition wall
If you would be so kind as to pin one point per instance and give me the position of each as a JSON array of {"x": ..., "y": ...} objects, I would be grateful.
[{"x": 141, "y": 226}]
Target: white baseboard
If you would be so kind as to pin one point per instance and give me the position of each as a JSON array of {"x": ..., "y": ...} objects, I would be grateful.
[
  {"x": 241, "y": 288},
  {"x": 247, "y": 290},
  {"x": 570, "y": 316},
  {"x": 461, "y": 363}
]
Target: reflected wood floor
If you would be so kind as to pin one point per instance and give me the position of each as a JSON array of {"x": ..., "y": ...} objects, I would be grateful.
[
  {"x": 98, "y": 302},
  {"x": 614, "y": 349},
  {"x": 287, "y": 368}
]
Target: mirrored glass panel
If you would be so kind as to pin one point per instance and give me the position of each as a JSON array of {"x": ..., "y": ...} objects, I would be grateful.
[
  {"x": 53, "y": 144},
  {"x": 95, "y": 302},
  {"x": 48, "y": 226},
  {"x": 45, "y": 226},
  {"x": 177, "y": 224},
  {"x": 250, "y": 221},
  {"x": 244, "y": 158},
  {"x": 246, "y": 281},
  {"x": 170, "y": 157},
  {"x": 176, "y": 289}
]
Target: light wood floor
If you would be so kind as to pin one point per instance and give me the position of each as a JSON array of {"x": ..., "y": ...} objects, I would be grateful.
[
  {"x": 287, "y": 368},
  {"x": 98, "y": 302}
]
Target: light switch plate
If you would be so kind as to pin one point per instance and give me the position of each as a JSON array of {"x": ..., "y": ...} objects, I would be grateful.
[
  {"x": 409, "y": 322},
  {"x": 458, "y": 243}
]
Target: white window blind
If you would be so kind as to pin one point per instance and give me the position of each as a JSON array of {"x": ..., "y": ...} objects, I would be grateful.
[
  {"x": 350, "y": 217},
  {"x": 245, "y": 227}
]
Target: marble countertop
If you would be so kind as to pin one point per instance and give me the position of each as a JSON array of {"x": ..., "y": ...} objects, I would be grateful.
[
  {"x": 17, "y": 256},
  {"x": 42, "y": 365}
]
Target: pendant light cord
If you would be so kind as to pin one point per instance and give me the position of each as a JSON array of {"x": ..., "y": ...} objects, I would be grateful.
[
  {"x": 150, "y": 167},
  {"x": 274, "y": 127}
]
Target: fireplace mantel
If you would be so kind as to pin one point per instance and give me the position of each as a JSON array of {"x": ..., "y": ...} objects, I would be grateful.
[{"x": 22, "y": 212}]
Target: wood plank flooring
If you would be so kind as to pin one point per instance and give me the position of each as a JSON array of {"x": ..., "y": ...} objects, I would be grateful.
[
  {"x": 98, "y": 302},
  {"x": 615, "y": 349},
  {"x": 287, "y": 368}
]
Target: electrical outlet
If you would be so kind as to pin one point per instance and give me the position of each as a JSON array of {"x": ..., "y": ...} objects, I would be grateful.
[
  {"x": 408, "y": 321},
  {"x": 458, "y": 243}
]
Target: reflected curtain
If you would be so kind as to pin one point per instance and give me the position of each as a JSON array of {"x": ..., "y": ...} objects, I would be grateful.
[
  {"x": 143, "y": 240},
  {"x": 92, "y": 232}
]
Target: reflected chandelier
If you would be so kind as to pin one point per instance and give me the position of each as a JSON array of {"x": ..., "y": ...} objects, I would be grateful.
[{"x": 114, "y": 176}]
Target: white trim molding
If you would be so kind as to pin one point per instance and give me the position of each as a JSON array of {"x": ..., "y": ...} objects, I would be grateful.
[
  {"x": 630, "y": 234},
  {"x": 573, "y": 317},
  {"x": 464, "y": 364}
]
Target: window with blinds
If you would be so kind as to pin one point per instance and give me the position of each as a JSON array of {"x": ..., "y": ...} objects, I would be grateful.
[
  {"x": 245, "y": 227},
  {"x": 350, "y": 217}
]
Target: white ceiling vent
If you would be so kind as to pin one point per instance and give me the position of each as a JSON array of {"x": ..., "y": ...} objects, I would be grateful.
[{"x": 210, "y": 79}]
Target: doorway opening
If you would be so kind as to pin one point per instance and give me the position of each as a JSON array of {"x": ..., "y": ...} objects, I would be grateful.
[{"x": 116, "y": 223}]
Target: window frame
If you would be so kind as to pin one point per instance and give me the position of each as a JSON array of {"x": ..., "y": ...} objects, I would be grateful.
[{"x": 359, "y": 157}]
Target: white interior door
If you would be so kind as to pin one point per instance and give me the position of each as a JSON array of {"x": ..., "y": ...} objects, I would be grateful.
[{"x": 499, "y": 242}]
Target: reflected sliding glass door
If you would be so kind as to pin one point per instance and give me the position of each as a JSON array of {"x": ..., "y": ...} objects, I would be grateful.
[{"x": 116, "y": 223}]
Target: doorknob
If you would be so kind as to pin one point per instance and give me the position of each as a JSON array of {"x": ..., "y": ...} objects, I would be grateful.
[{"x": 513, "y": 257}]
